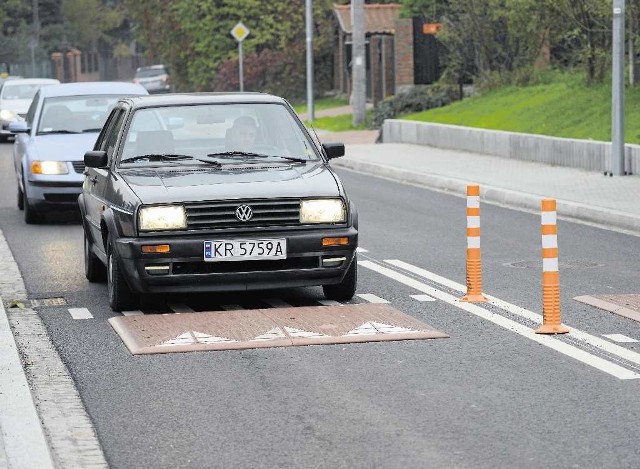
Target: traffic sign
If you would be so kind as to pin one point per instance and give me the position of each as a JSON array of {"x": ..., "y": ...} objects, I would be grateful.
[{"x": 240, "y": 32}]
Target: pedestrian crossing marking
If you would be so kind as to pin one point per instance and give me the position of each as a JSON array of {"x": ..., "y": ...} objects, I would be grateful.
[
  {"x": 619, "y": 338},
  {"x": 423, "y": 298},
  {"x": 372, "y": 327},
  {"x": 80, "y": 313},
  {"x": 293, "y": 332},
  {"x": 275, "y": 333},
  {"x": 193, "y": 337},
  {"x": 371, "y": 298},
  {"x": 330, "y": 303},
  {"x": 133, "y": 313}
]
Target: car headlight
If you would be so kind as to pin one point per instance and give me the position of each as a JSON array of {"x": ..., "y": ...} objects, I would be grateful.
[
  {"x": 7, "y": 115},
  {"x": 49, "y": 167},
  {"x": 164, "y": 217},
  {"x": 322, "y": 211}
]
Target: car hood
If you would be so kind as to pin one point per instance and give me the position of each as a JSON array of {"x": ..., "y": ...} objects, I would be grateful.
[
  {"x": 279, "y": 180},
  {"x": 19, "y": 106},
  {"x": 63, "y": 147}
]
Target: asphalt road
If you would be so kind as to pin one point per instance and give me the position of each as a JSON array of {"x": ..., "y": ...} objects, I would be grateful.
[{"x": 485, "y": 397}]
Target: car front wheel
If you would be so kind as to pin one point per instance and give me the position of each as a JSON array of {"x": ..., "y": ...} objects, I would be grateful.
[
  {"x": 121, "y": 298},
  {"x": 344, "y": 290},
  {"x": 31, "y": 215}
]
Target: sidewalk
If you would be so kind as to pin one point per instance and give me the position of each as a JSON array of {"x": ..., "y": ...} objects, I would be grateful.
[
  {"x": 332, "y": 112},
  {"x": 591, "y": 197}
]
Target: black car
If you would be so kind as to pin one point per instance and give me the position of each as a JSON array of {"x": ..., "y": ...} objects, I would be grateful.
[{"x": 214, "y": 192}]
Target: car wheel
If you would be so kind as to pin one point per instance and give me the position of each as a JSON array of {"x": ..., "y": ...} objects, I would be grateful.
[
  {"x": 121, "y": 298},
  {"x": 31, "y": 215},
  {"x": 20, "y": 199},
  {"x": 94, "y": 270},
  {"x": 344, "y": 290}
]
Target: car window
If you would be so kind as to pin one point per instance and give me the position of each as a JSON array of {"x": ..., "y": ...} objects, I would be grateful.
[
  {"x": 207, "y": 129},
  {"x": 12, "y": 91},
  {"x": 112, "y": 138},
  {"x": 113, "y": 115},
  {"x": 75, "y": 114},
  {"x": 32, "y": 109}
]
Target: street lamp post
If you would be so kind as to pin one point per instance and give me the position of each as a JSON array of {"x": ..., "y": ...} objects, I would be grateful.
[
  {"x": 309, "y": 25},
  {"x": 617, "y": 95}
]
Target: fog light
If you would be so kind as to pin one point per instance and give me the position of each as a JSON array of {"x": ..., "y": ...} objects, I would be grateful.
[
  {"x": 335, "y": 241},
  {"x": 333, "y": 261},
  {"x": 157, "y": 269},
  {"x": 160, "y": 248}
]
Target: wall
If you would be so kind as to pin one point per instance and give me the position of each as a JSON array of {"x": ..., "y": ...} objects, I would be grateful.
[{"x": 585, "y": 154}]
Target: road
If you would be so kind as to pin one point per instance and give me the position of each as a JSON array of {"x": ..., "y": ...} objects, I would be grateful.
[{"x": 488, "y": 396}]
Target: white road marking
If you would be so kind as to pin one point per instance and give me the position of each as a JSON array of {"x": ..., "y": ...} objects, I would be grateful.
[
  {"x": 371, "y": 298},
  {"x": 423, "y": 298},
  {"x": 330, "y": 303},
  {"x": 373, "y": 328},
  {"x": 592, "y": 340},
  {"x": 276, "y": 303},
  {"x": 293, "y": 332},
  {"x": 193, "y": 337},
  {"x": 555, "y": 344},
  {"x": 619, "y": 338},
  {"x": 133, "y": 313},
  {"x": 231, "y": 307},
  {"x": 361, "y": 250},
  {"x": 80, "y": 313},
  {"x": 180, "y": 308},
  {"x": 275, "y": 333}
]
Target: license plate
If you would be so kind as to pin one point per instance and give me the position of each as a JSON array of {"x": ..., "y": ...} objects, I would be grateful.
[{"x": 245, "y": 249}]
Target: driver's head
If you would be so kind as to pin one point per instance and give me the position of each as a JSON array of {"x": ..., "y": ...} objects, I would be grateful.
[{"x": 244, "y": 133}]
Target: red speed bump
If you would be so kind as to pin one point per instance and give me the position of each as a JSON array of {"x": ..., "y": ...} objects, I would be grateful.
[{"x": 272, "y": 327}]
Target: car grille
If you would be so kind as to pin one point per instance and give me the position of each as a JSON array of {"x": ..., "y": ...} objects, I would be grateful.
[
  {"x": 78, "y": 166},
  {"x": 192, "y": 268},
  {"x": 273, "y": 212}
]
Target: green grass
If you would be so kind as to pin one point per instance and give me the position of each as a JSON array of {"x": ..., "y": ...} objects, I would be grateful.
[
  {"x": 565, "y": 107},
  {"x": 340, "y": 123},
  {"x": 322, "y": 103}
]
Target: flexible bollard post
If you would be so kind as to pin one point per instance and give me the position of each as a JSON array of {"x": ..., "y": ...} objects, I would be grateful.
[
  {"x": 550, "y": 274},
  {"x": 474, "y": 264}
]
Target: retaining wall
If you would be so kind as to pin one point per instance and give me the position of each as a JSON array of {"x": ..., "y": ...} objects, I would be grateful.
[{"x": 586, "y": 154}]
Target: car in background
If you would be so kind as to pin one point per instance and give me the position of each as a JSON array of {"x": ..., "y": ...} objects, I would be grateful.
[
  {"x": 9, "y": 77},
  {"x": 59, "y": 127},
  {"x": 155, "y": 78},
  {"x": 15, "y": 99},
  {"x": 214, "y": 192}
]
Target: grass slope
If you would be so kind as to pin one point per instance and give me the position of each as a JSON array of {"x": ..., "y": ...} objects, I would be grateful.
[{"x": 564, "y": 107}]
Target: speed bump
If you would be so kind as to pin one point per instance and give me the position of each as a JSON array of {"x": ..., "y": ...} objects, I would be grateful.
[{"x": 272, "y": 327}]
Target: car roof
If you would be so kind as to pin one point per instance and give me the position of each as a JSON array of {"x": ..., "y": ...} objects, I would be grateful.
[
  {"x": 179, "y": 99},
  {"x": 151, "y": 67},
  {"x": 92, "y": 87},
  {"x": 30, "y": 81}
]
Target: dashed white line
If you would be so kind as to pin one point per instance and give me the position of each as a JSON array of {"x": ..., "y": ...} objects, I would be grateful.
[
  {"x": 80, "y": 313},
  {"x": 180, "y": 308},
  {"x": 371, "y": 298},
  {"x": 133, "y": 313},
  {"x": 361, "y": 250},
  {"x": 330, "y": 303},
  {"x": 555, "y": 344},
  {"x": 619, "y": 338},
  {"x": 423, "y": 298}
]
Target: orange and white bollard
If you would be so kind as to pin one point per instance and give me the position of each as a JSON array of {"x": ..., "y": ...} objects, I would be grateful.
[
  {"x": 474, "y": 264},
  {"x": 550, "y": 273}
]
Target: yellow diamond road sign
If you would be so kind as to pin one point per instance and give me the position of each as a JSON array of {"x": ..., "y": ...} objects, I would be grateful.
[{"x": 240, "y": 31}]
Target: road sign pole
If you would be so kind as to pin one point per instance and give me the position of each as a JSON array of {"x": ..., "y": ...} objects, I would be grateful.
[
  {"x": 309, "y": 24},
  {"x": 240, "y": 66},
  {"x": 617, "y": 118}
]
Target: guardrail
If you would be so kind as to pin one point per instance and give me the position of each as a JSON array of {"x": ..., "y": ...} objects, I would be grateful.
[{"x": 591, "y": 155}]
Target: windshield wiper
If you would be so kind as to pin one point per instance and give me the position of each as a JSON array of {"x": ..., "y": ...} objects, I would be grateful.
[
  {"x": 291, "y": 158},
  {"x": 157, "y": 157},
  {"x": 92, "y": 130},
  {"x": 60, "y": 131},
  {"x": 235, "y": 153}
]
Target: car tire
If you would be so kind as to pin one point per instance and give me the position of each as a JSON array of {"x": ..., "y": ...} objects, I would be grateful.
[
  {"x": 121, "y": 297},
  {"x": 20, "y": 199},
  {"x": 344, "y": 290},
  {"x": 31, "y": 215},
  {"x": 94, "y": 270}
]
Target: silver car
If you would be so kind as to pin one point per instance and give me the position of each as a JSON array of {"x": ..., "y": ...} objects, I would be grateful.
[
  {"x": 62, "y": 123},
  {"x": 154, "y": 78},
  {"x": 15, "y": 98}
]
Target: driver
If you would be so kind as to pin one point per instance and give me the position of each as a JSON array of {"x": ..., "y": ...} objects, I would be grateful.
[{"x": 242, "y": 134}]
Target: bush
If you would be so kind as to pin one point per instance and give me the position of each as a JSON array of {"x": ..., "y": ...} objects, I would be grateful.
[{"x": 419, "y": 98}]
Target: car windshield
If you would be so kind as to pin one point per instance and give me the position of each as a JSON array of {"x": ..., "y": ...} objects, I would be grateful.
[
  {"x": 151, "y": 72},
  {"x": 19, "y": 91},
  {"x": 75, "y": 114},
  {"x": 226, "y": 133}
]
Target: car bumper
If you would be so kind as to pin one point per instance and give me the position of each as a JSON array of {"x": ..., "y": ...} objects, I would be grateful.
[
  {"x": 308, "y": 263},
  {"x": 59, "y": 194}
]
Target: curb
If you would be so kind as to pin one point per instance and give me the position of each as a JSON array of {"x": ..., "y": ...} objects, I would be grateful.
[
  {"x": 22, "y": 436},
  {"x": 600, "y": 217}
]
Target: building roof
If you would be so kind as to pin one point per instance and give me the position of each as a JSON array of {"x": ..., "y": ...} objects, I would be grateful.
[{"x": 378, "y": 18}]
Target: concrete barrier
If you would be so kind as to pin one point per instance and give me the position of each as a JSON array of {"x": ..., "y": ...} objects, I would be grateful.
[{"x": 591, "y": 155}]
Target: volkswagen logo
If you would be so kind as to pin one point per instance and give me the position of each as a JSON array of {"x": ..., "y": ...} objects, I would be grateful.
[{"x": 244, "y": 213}]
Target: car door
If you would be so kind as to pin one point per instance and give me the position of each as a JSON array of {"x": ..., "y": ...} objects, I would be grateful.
[
  {"x": 23, "y": 140},
  {"x": 96, "y": 179}
]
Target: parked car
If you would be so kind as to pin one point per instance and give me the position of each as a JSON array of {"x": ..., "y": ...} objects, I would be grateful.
[
  {"x": 60, "y": 126},
  {"x": 15, "y": 99},
  {"x": 155, "y": 78},
  {"x": 214, "y": 192}
]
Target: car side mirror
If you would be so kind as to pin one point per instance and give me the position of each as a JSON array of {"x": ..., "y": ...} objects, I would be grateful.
[
  {"x": 95, "y": 159},
  {"x": 333, "y": 150},
  {"x": 18, "y": 127}
]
